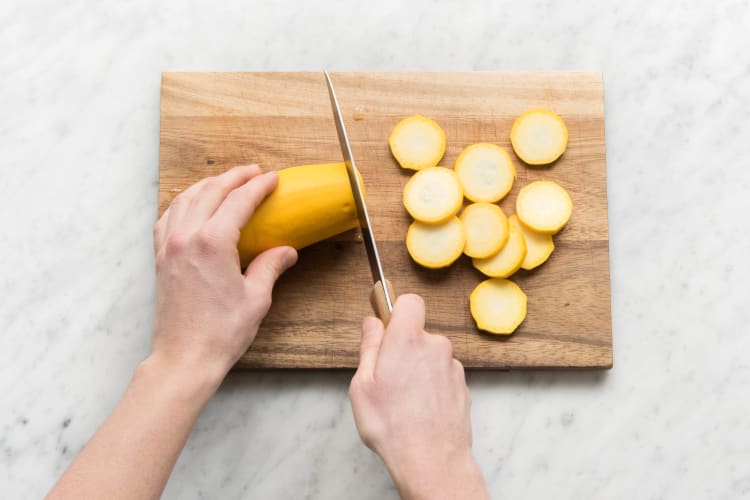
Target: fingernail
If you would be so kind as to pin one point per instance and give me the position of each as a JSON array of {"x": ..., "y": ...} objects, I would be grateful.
[
  {"x": 369, "y": 325},
  {"x": 252, "y": 166},
  {"x": 290, "y": 257}
]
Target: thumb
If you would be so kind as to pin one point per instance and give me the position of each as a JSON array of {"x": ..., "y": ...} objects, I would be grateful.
[
  {"x": 266, "y": 268},
  {"x": 372, "y": 337}
]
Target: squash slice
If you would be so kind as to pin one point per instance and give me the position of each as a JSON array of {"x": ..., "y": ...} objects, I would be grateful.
[
  {"x": 417, "y": 142},
  {"x": 508, "y": 260},
  {"x": 539, "y": 137},
  {"x": 538, "y": 246},
  {"x": 433, "y": 195},
  {"x": 486, "y": 172},
  {"x": 498, "y": 306},
  {"x": 544, "y": 206},
  {"x": 435, "y": 245},
  {"x": 486, "y": 228}
]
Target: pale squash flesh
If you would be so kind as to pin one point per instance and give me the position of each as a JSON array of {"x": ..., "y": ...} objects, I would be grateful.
[
  {"x": 539, "y": 246},
  {"x": 417, "y": 142},
  {"x": 486, "y": 228},
  {"x": 508, "y": 260},
  {"x": 435, "y": 245},
  {"x": 498, "y": 306},
  {"x": 485, "y": 171},
  {"x": 539, "y": 137},
  {"x": 311, "y": 203},
  {"x": 433, "y": 195},
  {"x": 544, "y": 206}
]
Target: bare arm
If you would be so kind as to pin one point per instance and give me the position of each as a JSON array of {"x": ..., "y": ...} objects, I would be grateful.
[
  {"x": 412, "y": 407},
  {"x": 207, "y": 315}
]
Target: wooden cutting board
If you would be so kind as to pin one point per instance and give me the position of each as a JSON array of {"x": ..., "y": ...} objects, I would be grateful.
[{"x": 213, "y": 121}]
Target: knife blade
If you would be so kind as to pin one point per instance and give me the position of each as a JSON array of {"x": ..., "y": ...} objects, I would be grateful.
[{"x": 381, "y": 297}]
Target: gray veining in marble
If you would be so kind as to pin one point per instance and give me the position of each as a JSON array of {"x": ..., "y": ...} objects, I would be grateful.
[{"x": 79, "y": 103}]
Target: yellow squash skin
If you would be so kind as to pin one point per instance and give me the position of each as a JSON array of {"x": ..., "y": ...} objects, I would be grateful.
[{"x": 310, "y": 203}]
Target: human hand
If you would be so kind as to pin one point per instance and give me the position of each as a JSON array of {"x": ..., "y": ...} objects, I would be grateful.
[
  {"x": 207, "y": 311},
  {"x": 412, "y": 406}
]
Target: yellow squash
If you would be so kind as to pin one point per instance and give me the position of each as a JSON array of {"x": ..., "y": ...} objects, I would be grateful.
[
  {"x": 498, "y": 306},
  {"x": 310, "y": 203},
  {"x": 539, "y": 137}
]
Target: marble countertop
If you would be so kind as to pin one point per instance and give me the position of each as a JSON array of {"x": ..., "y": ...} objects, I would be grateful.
[{"x": 78, "y": 192}]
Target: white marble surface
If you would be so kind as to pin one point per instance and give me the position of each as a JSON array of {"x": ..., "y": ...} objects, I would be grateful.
[{"x": 79, "y": 118}]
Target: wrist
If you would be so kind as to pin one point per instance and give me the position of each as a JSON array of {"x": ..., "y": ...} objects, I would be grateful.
[
  {"x": 190, "y": 381},
  {"x": 454, "y": 475}
]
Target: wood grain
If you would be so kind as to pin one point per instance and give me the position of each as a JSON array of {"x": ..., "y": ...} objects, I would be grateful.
[{"x": 213, "y": 121}]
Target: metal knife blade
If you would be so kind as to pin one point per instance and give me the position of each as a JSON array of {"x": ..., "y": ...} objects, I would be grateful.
[{"x": 368, "y": 237}]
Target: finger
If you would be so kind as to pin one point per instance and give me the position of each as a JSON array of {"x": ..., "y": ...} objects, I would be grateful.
[
  {"x": 263, "y": 271},
  {"x": 442, "y": 347},
  {"x": 176, "y": 212},
  {"x": 369, "y": 346},
  {"x": 178, "y": 208},
  {"x": 458, "y": 368},
  {"x": 215, "y": 189},
  {"x": 240, "y": 204},
  {"x": 407, "y": 317},
  {"x": 159, "y": 229}
]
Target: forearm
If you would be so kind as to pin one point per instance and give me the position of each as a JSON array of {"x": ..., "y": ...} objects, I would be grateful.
[
  {"x": 452, "y": 478},
  {"x": 133, "y": 453}
]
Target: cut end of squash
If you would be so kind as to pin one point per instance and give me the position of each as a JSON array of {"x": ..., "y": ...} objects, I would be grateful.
[
  {"x": 508, "y": 260},
  {"x": 417, "y": 142},
  {"x": 539, "y": 246},
  {"x": 435, "y": 245},
  {"x": 544, "y": 206},
  {"x": 433, "y": 195},
  {"x": 539, "y": 137},
  {"x": 486, "y": 228},
  {"x": 498, "y": 306},
  {"x": 486, "y": 172}
]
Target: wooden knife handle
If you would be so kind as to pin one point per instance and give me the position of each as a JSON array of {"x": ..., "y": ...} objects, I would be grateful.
[{"x": 377, "y": 300}]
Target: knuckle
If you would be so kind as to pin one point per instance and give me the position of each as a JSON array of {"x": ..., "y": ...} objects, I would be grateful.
[
  {"x": 265, "y": 302},
  {"x": 207, "y": 240},
  {"x": 176, "y": 244},
  {"x": 358, "y": 387},
  {"x": 273, "y": 269},
  {"x": 412, "y": 338},
  {"x": 442, "y": 344},
  {"x": 369, "y": 342},
  {"x": 261, "y": 300},
  {"x": 181, "y": 199},
  {"x": 212, "y": 184},
  {"x": 412, "y": 298},
  {"x": 232, "y": 197}
]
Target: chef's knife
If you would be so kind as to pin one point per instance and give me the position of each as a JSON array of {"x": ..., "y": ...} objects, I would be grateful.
[{"x": 380, "y": 297}]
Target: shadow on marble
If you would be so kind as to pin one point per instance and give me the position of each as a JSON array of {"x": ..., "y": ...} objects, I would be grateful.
[
  {"x": 263, "y": 382},
  {"x": 580, "y": 379},
  {"x": 273, "y": 381}
]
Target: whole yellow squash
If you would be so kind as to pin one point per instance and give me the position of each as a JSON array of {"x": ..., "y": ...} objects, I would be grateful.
[{"x": 310, "y": 203}]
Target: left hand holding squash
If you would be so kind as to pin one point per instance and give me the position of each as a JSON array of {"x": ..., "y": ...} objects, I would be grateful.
[{"x": 207, "y": 311}]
